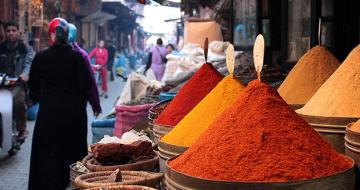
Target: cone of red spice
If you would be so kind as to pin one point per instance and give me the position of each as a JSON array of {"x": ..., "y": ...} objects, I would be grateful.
[
  {"x": 260, "y": 139},
  {"x": 203, "y": 81}
]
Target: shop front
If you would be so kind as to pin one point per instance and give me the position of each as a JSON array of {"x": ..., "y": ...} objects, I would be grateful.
[{"x": 291, "y": 27}]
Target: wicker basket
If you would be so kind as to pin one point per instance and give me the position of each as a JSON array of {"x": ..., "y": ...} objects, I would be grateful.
[
  {"x": 124, "y": 187},
  {"x": 100, "y": 179},
  {"x": 73, "y": 174},
  {"x": 144, "y": 165}
]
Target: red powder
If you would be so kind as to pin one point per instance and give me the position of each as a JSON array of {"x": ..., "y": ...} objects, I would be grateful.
[
  {"x": 203, "y": 81},
  {"x": 260, "y": 139}
]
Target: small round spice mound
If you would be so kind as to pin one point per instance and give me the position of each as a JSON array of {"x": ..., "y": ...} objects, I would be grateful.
[
  {"x": 355, "y": 127},
  {"x": 203, "y": 81},
  {"x": 203, "y": 114},
  {"x": 260, "y": 139},
  {"x": 312, "y": 70},
  {"x": 339, "y": 95}
]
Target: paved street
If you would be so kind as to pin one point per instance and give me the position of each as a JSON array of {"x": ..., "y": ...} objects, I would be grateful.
[{"x": 14, "y": 170}]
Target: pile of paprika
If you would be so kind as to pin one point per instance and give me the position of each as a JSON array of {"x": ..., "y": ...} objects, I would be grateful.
[
  {"x": 260, "y": 139},
  {"x": 203, "y": 81}
]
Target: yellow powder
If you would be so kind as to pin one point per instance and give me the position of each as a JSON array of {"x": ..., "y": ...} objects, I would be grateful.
[
  {"x": 339, "y": 95},
  {"x": 355, "y": 127},
  {"x": 204, "y": 113},
  {"x": 311, "y": 71}
]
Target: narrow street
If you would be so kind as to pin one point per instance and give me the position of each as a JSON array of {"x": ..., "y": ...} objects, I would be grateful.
[{"x": 14, "y": 170}]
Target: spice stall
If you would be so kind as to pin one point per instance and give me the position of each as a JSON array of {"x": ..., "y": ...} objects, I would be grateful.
[
  {"x": 239, "y": 137},
  {"x": 219, "y": 133},
  {"x": 212, "y": 161},
  {"x": 260, "y": 139}
]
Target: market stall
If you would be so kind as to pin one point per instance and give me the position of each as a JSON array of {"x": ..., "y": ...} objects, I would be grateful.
[{"x": 218, "y": 133}]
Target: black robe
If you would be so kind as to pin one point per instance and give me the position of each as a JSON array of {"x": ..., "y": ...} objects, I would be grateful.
[{"x": 60, "y": 82}]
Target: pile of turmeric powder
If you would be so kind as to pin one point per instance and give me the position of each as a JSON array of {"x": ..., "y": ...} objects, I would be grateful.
[
  {"x": 339, "y": 95},
  {"x": 311, "y": 71},
  {"x": 204, "y": 113}
]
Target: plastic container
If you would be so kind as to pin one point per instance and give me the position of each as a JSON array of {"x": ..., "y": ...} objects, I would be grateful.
[
  {"x": 101, "y": 127},
  {"x": 166, "y": 95},
  {"x": 344, "y": 180},
  {"x": 332, "y": 129}
]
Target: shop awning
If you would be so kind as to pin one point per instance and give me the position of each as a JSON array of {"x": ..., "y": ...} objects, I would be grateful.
[
  {"x": 98, "y": 17},
  {"x": 88, "y": 7},
  {"x": 125, "y": 17}
]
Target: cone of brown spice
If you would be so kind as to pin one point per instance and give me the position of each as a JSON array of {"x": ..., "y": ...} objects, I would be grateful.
[{"x": 311, "y": 71}]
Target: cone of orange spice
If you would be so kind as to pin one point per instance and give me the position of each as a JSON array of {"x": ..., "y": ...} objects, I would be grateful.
[{"x": 260, "y": 139}]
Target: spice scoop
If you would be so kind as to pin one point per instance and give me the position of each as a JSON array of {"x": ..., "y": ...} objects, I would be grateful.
[
  {"x": 258, "y": 53},
  {"x": 206, "y": 49},
  {"x": 230, "y": 60}
]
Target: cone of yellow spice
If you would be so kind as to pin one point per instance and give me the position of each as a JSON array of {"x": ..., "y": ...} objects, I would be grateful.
[{"x": 204, "y": 113}]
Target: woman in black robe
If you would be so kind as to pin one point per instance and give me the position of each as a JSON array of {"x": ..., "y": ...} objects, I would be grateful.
[{"x": 60, "y": 82}]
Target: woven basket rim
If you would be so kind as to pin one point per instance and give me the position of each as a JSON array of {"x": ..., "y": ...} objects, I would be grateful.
[
  {"x": 124, "y": 186},
  {"x": 94, "y": 167},
  {"x": 144, "y": 178}
]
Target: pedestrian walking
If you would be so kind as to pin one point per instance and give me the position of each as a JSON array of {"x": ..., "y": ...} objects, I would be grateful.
[
  {"x": 110, "y": 63},
  {"x": 101, "y": 56},
  {"x": 94, "y": 96},
  {"x": 61, "y": 83},
  {"x": 156, "y": 59}
]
